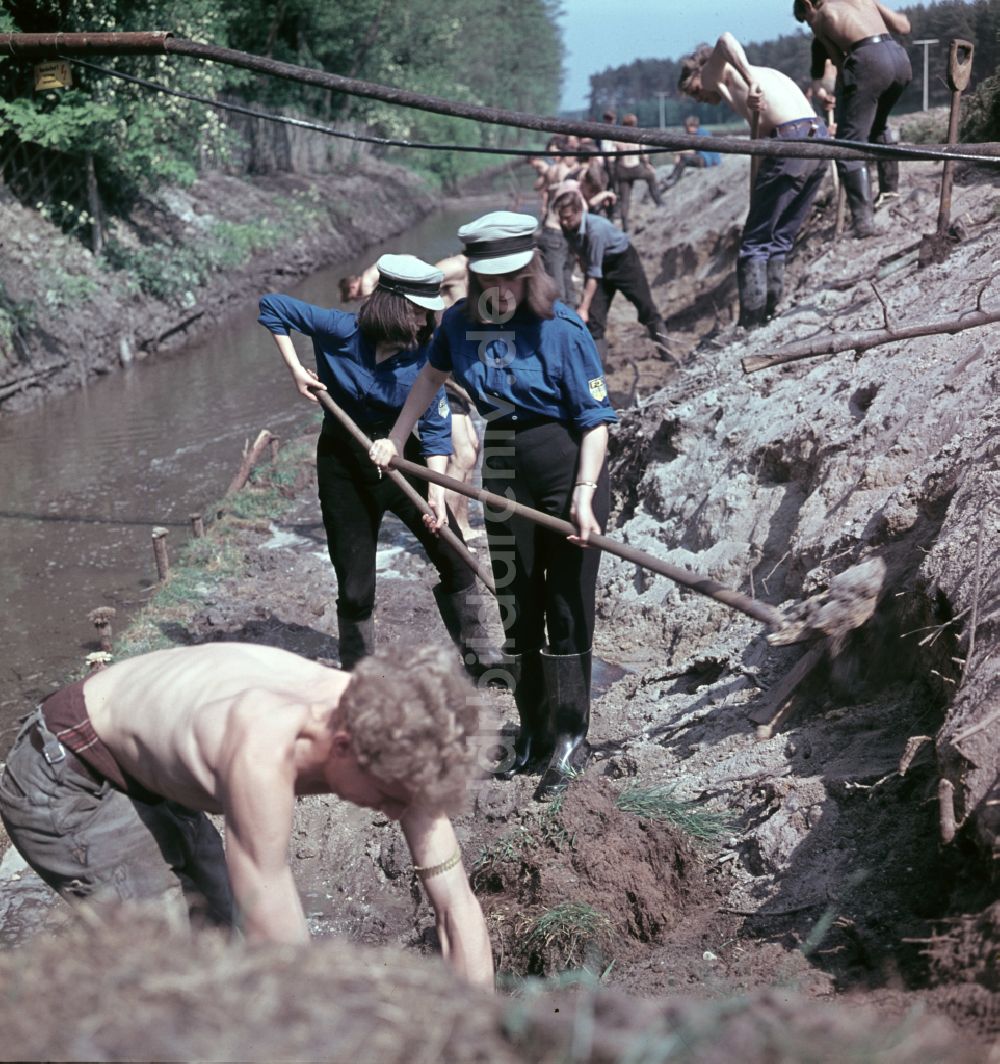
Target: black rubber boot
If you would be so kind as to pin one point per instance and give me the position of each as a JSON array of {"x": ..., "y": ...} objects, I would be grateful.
[
  {"x": 775, "y": 284},
  {"x": 460, "y": 612},
  {"x": 355, "y": 640},
  {"x": 567, "y": 685},
  {"x": 888, "y": 169},
  {"x": 751, "y": 276},
  {"x": 858, "y": 187},
  {"x": 528, "y": 688}
]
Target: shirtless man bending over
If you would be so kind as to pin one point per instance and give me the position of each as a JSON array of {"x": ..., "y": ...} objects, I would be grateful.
[
  {"x": 784, "y": 188},
  {"x": 107, "y": 785},
  {"x": 872, "y": 71}
]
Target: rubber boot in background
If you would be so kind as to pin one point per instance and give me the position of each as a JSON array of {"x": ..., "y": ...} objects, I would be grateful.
[
  {"x": 858, "y": 187},
  {"x": 751, "y": 277},
  {"x": 567, "y": 688},
  {"x": 775, "y": 284},
  {"x": 355, "y": 640},
  {"x": 888, "y": 170},
  {"x": 528, "y": 689},
  {"x": 657, "y": 332},
  {"x": 461, "y": 615}
]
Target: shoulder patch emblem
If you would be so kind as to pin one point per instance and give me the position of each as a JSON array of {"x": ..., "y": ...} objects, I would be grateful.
[
  {"x": 598, "y": 389},
  {"x": 444, "y": 410}
]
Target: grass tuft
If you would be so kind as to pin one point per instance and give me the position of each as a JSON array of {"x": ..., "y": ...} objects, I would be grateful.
[{"x": 661, "y": 803}]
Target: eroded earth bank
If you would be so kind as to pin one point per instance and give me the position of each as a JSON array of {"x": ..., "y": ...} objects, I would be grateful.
[{"x": 825, "y": 894}]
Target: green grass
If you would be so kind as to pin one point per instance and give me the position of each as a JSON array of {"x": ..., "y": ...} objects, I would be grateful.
[
  {"x": 661, "y": 803},
  {"x": 571, "y": 934}
]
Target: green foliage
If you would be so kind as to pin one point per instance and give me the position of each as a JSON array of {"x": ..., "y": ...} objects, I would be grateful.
[
  {"x": 981, "y": 113},
  {"x": 68, "y": 289},
  {"x": 661, "y": 803},
  {"x": 172, "y": 272},
  {"x": 16, "y": 318}
]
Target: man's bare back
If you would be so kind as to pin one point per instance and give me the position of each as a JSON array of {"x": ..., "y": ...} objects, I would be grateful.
[
  {"x": 729, "y": 76},
  {"x": 841, "y": 23},
  {"x": 169, "y": 717}
]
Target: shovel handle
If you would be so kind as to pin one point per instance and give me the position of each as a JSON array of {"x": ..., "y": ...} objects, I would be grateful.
[
  {"x": 408, "y": 490},
  {"x": 754, "y": 159},
  {"x": 760, "y": 611},
  {"x": 960, "y": 64}
]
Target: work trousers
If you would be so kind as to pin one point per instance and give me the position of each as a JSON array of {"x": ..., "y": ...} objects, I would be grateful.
[
  {"x": 623, "y": 273},
  {"x": 870, "y": 81},
  {"x": 90, "y": 841},
  {"x": 626, "y": 176},
  {"x": 545, "y": 584},
  {"x": 558, "y": 261},
  {"x": 354, "y": 499},
  {"x": 782, "y": 196}
]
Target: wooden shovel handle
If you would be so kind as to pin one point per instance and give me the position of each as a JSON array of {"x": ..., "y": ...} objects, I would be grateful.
[
  {"x": 760, "y": 611},
  {"x": 408, "y": 490}
]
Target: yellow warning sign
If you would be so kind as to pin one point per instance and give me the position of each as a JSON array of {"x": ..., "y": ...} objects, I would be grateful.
[{"x": 54, "y": 75}]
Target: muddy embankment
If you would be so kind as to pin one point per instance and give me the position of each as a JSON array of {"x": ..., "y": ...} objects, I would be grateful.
[
  {"x": 729, "y": 897},
  {"x": 176, "y": 266}
]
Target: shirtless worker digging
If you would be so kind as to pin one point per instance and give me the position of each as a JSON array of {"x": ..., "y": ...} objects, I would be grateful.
[
  {"x": 872, "y": 71},
  {"x": 107, "y": 785},
  {"x": 784, "y": 189}
]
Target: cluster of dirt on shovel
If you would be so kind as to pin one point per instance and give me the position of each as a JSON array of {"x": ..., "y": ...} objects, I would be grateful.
[{"x": 823, "y": 917}]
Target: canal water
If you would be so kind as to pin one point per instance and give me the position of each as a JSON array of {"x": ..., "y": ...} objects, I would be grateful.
[{"x": 87, "y": 476}]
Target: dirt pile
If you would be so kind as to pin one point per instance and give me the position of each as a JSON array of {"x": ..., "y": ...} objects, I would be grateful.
[
  {"x": 562, "y": 886},
  {"x": 134, "y": 990},
  {"x": 65, "y": 316}
]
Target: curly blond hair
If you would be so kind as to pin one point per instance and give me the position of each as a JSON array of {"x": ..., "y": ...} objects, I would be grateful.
[{"x": 412, "y": 716}]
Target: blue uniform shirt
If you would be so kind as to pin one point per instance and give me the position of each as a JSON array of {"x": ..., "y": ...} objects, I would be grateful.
[
  {"x": 596, "y": 238},
  {"x": 525, "y": 367},
  {"x": 372, "y": 395},
  {"x": 712, "y": 158}
]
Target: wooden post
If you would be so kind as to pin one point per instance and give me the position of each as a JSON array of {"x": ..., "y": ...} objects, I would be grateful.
[
  {"x": 275, "y": 444},
  {"x": 160, "y": 553},
  {"x": 197, "y": 526},
  {"x": 251, "y": 455},
  {"x": 94, "y": 207}
]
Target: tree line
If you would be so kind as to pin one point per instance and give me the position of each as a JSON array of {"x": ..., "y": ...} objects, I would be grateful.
[
  {"x": 634, "y": 86},
  {"x": 487, "y": 52}
]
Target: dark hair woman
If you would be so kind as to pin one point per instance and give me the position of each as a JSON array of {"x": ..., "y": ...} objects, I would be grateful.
[
  {"x": 368, "y": 363},
  {"x": 535, "y": 375}
]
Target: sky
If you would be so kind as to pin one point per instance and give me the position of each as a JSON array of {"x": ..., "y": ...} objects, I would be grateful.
[{"x": 603, "y": 33}]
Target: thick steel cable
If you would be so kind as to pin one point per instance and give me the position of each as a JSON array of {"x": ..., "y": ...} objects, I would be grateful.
[{"x": 50, "y": 45}]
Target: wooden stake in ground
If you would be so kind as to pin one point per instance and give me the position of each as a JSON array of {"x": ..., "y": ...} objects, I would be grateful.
[{"x": 251, "y": 456}]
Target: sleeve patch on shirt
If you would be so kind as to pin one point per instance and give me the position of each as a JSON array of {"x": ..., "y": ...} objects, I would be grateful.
[
  {"x": 444, "y": 410},
  {"x": 598, "y": 389}
]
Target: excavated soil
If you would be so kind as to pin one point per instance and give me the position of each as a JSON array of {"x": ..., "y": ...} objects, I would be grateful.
[{"x": 832, "y": 918}]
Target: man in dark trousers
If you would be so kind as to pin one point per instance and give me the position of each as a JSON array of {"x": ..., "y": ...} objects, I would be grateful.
[
  {"x": 107, "y": 785},
  {"x": 784, "y": 188},
  {"x": 872, "y": 71},
  {"x": 610, "y": 264}
]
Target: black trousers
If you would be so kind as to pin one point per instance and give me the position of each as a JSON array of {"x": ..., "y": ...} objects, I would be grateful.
[
  {"x": 353, "y": 500},
  {"x": 544, "y": 583},
  {"x": 870, "y": 81},
  {"x": 623, "y": 273}
]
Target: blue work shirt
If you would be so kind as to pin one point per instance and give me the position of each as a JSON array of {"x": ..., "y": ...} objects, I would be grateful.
[
  {"x": 371, "y": 395},
  {"x": 527, "y": 367},
  {"x": 712, "y": 158},
  {"x": 596, "y": 238}
]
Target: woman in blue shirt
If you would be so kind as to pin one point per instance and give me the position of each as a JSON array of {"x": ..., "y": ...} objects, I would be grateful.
[
  {"x": 534, "y": 373},
  {"x": 368, "y": 363}
]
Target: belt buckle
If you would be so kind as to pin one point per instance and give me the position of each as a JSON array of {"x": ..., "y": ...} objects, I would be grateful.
[{"x": 52, "y": 750}]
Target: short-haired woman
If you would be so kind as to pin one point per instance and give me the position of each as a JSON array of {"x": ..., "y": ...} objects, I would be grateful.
[
  {"x": 368, "y": 362},
  {"x": 535, "y": 375}
]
